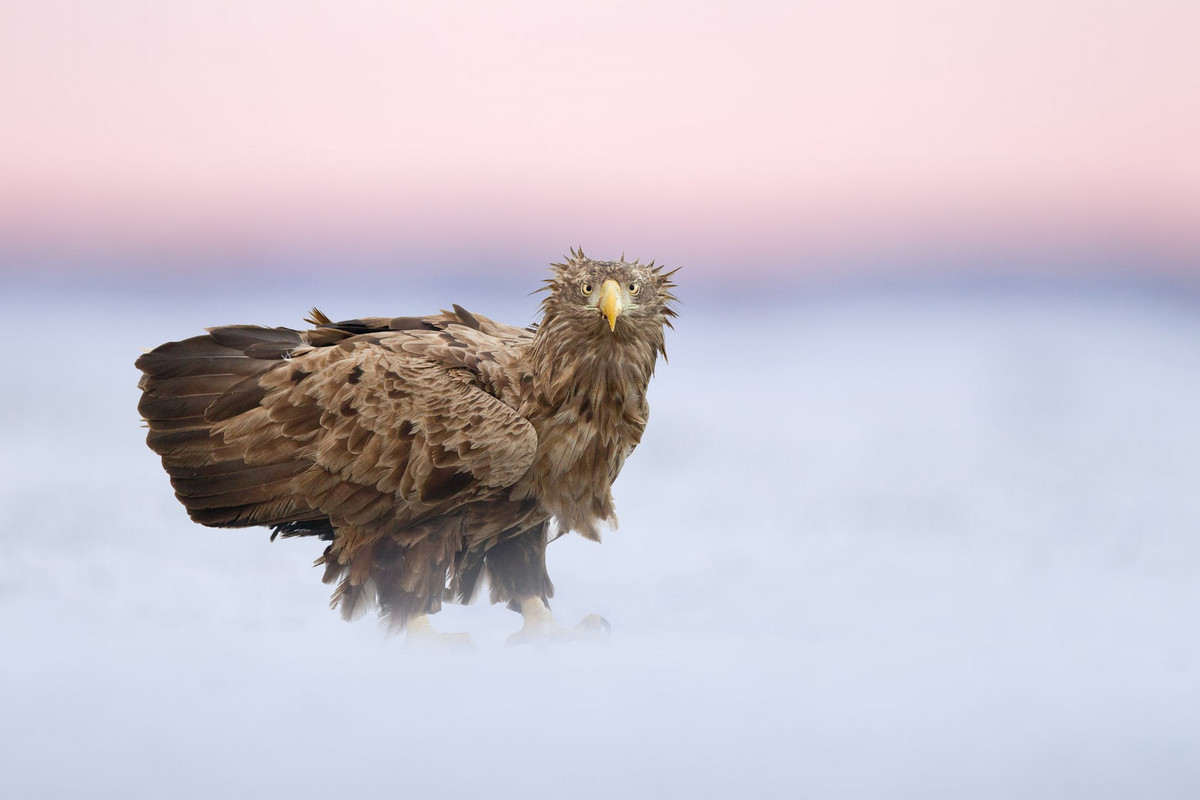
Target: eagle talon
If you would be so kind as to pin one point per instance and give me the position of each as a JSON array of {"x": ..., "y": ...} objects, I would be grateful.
[{"x": 594, "y": 624}]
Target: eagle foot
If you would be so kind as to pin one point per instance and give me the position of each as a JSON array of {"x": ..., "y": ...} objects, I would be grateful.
[
  {"x": 540, "y": 628},
  {"x": 422, "y": 636}
]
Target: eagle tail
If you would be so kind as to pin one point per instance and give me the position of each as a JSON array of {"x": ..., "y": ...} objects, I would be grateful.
[{"x": 190, "y": 386}]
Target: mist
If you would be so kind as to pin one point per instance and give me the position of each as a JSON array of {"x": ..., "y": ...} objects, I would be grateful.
[{"x": 910, "y": 542}]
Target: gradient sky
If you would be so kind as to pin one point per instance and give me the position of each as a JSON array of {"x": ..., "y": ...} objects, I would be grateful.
[{"x": 689, "y": 131}]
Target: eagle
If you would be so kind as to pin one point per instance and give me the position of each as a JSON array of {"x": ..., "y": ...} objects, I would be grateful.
[{"x": 432, "y": 453}]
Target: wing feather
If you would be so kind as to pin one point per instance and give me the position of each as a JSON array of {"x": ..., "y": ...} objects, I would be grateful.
[{"x": 391, "y": 422}]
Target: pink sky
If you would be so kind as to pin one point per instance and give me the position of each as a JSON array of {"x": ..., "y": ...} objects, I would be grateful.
[{"x": 688, "y": 131}]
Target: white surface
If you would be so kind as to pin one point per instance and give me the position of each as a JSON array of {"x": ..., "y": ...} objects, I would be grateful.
[{"x": 888, "y": 546}]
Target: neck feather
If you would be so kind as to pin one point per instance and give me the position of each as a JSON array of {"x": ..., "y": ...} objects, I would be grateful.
[{"x": 570, "y": 363}]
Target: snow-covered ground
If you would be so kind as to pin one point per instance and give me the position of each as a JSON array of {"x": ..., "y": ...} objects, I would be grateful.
[{"x": 927, "y": 545}]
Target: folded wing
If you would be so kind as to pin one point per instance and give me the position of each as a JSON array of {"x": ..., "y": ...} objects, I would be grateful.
[{"x": 372, "y": 429}]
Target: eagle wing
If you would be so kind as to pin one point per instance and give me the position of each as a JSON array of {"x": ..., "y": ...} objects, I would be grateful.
[{"x": 364, "y": 425}]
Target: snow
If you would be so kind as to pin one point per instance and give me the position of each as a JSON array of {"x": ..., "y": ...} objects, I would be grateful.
[{"x": 875, "y": 544}]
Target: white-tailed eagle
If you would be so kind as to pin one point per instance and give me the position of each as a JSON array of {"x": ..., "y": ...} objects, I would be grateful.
[{"x": 428, "y": 451}]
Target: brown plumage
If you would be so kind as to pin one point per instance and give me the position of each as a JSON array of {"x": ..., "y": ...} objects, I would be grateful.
[{"x": 428, "y": 451}]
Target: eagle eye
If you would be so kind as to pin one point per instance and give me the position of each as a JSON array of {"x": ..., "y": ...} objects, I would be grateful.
[
  {"x": 586, "y": 288},
  {"x": 633, "y": 288}
]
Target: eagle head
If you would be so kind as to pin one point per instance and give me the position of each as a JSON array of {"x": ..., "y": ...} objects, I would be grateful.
[{"x": 618, "y": 299}]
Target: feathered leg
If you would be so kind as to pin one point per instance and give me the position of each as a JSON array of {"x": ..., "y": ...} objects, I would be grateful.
[
  {"x": 406, "y": 583},
  {"x": 516, "y": 568},
  {"x": 517, "y": 573}
]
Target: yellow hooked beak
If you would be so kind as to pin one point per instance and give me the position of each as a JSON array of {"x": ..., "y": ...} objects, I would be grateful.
[{"x": 610, "y": 302}]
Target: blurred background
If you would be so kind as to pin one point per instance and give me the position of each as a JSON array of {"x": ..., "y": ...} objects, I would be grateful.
[
  {"x": 916, "y": 514},
  {"x": 745, "y": 140}
]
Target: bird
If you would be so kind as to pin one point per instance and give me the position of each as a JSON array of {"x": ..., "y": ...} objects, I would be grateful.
[{"x": 434, "y": 454}]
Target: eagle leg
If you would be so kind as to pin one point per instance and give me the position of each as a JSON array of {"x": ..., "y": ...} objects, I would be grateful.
[
  {"x": 516, "y": 567},
  {"x": 421, "y": 635},
  {"x": 539, "y": 627}
]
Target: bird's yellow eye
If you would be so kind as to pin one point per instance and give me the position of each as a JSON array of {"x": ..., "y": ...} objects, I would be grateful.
[
  {"x": 633, "y": 288},
  {"x": 586, "y": 288}
]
